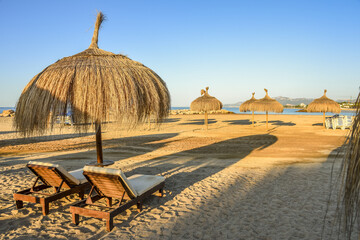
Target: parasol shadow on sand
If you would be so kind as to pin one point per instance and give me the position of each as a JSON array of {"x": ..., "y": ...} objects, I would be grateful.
[
  {"x": 267, "y": 104},
  {"x": 205, "y": 103},
  {"x": 238, "y": 122},
  {"x": 97, "y": 86},
  {"x": 198, "y": 122},
  {"x": 248, "y": 106},
  {"x": 324, "y": 104}
]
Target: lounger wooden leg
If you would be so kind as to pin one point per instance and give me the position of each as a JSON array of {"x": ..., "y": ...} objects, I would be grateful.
[
  {"x": 75, "y": 219},
  {"x": 45, "y": 207},
  {"x": 19, "y": 204},
  {"x": 109, "y": 201},
  {"x": 109, "y": 224},
  {"x": 81, "y": 194},
  {"x": 161, "y": 192},
  {"x": 139, "y": 206}
]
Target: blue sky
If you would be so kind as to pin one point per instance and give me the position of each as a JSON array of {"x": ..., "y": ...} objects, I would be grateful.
[{"x": 295, "y": 48}]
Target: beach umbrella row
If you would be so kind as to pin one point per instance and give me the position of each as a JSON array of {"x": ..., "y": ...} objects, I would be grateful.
[
  {"x": 92, "y": 83},
  {"x": 265, "y": 104},
  {"x": 268, "y": 104}
]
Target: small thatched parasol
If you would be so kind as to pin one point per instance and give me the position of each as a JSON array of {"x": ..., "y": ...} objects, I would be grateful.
[
  {"x": 248, "y": 106},
  {"x": 323, "y": 104},
  {"x": 267, "y": 104},
  {"x": 91, "y": 84},
  {"x": 205, "y": 103}
]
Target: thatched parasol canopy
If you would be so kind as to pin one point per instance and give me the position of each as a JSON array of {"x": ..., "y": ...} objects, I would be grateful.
[
  {"x": 92, "y": 84},
  {"x": 248, "y": 106},
  {"x": 324, "y": 104},
  {"x": 205, "y": 102},
  {"x": 267, "y": 104}
]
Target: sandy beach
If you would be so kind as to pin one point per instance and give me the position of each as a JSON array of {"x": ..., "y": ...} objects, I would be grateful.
[{"x": 233, "y": 181}]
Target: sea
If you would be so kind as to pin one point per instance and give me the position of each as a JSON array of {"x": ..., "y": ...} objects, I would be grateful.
[{"x": 287, "y": 111}]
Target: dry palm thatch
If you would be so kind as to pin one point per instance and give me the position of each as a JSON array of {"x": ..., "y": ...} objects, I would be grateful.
[
  {"x": 248, "y": 106},
  {"x": 92, "y": 83},
  {"x": 349, "y": 204},
  {"x": 205, "y": 103},
  {"x": 267, "y": 104},
  {"x": 323, "y": 104}
]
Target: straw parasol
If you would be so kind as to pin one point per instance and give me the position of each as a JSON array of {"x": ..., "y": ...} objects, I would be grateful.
[
  {"x": 92, "y": 84},
  {"x": 248, "y": 106},
  {"x": 267, "y": 104},
  {"x": 323, "y": 104},
  {"x": 349, "y": 203},
  {"x": 205, "y": 103}
]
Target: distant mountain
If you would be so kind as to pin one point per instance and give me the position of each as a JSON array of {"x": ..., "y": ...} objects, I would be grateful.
[
  {"x": 292, "y": 101},
  {"x": 233, "y": 105}
]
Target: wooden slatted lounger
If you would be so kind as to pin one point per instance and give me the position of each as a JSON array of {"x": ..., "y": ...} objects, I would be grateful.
[
  {"x": 51, "y": 175},
  {"x": 112, "y": 183}
]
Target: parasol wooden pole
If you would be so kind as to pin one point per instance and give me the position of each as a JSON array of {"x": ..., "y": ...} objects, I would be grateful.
[
  {"x": 253, "y": 118},
  {"x": 206, "y": 120},
  {"x": 267, "y": 120},
  {"x": 324, "y": 120},
  {"x": 99, "y": 151}
]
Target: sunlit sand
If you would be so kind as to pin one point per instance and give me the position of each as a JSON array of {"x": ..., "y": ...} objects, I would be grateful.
[{"x": 231, "y": 181}]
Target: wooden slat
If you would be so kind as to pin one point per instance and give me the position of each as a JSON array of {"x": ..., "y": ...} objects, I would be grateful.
[
  {"x": 108, "y": 185},
  {"x": 49, "y": 175}
]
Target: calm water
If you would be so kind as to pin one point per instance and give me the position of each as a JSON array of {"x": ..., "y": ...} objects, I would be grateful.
[
  {"x": 287, "y": 111},
  {"x": 6, "y": 108}
]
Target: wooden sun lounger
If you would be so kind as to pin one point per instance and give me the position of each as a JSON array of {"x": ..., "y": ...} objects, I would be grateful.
[
  {"x": 51, "y": 175},
  {"x": 112, "y": 183}
]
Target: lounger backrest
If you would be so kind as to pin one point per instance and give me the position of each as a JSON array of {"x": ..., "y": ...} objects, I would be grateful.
[
  {"x": 110, "y": 182},
  {"x": 52, "y": 174}
]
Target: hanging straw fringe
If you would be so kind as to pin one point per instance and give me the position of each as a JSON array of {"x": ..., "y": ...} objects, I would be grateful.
[
  {"x": 267, "y": 104},
  {"x": 248, "y": 105},
  {"x": 324, "y": 104},
  {"x": 205, "y": 102},
  {"x": 349, "y": 202},
  {"x": 96, "y": 86}
]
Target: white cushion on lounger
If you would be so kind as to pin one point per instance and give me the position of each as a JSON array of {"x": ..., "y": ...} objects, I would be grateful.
[
  {"x": 78, "y": 174},
  {"x": 112, "y": 171},
  {"x": 75, "y": 177},
  {"x": 143, "y": 183}
]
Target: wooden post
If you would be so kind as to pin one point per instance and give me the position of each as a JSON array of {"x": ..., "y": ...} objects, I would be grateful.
[
  {"x": 267, "y": 126},
  {"x": 324, "y": 121},
  {"x": 253, "y": 118},
  {"x": 206, "y": 120},
  {"x": 99, "y": 151}
]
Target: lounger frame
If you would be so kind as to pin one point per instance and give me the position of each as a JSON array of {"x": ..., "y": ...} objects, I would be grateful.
[
  {"x": 50, "y": 177},
  {"x": 109, "y": 187}
]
